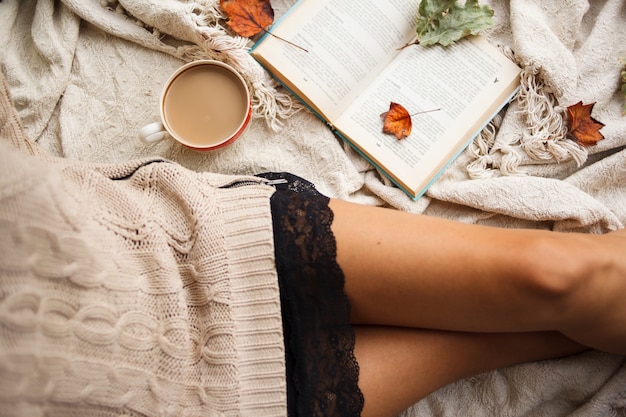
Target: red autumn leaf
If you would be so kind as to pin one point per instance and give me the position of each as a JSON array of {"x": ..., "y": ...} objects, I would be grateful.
[
  {"x": 248, "y": 17},
  {"x": 584, "y": 128},
  {"x": 397, "y": 121}
]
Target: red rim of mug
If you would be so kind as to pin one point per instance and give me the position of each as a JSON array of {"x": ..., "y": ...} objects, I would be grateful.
[{"x": 244, "y": 123}]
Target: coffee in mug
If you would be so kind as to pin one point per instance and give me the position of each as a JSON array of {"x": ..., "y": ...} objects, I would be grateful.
[{"x": 204, "y": 105}]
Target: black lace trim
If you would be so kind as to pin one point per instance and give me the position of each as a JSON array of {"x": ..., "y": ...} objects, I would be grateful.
[{"x": 322, "y": 372}]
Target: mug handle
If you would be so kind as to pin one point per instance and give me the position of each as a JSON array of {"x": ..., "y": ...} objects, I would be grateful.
[{"x": 153, "y": 132}]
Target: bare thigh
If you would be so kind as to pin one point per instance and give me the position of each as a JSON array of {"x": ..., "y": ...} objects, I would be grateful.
[
  {"x": 434, "y": 301},
  {"x": 417, "y": 271},
  {"x": 400, "y": 366},
  {"x": 423, "y": 272}
]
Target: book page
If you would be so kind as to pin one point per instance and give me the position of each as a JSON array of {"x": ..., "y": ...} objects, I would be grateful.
[
  {"x": 348, "y": 42},
  {"x": 467, "y": 81}
]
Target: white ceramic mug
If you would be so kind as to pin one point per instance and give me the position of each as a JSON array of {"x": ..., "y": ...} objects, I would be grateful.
[{"x": 204, "y": 105}]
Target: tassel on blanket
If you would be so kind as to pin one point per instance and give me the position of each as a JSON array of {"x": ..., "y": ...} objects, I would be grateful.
[
  {"x": 483, "y": 164},
  {"x": 544, "y": 139}
]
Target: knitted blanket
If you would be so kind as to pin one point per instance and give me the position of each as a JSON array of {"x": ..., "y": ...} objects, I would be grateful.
[{"x": 85, "y": 76}]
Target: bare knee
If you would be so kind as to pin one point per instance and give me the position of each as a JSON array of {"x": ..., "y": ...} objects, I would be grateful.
[{"x": 558, "y": 266}]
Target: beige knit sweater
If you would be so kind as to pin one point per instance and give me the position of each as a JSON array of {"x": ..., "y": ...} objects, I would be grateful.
[{"x": 138, "y": 289}]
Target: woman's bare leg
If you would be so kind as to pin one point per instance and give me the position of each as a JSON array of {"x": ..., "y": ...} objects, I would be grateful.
[
  {"x": 423, "y": 272},
  {"x": 400, "y": 366}
]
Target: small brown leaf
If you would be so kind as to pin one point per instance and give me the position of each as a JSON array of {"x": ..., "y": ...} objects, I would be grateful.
[
  {"x": 248, "y": 17},
  {"x": 584, "y": 128},
  {"x": 397, "y": 121}
]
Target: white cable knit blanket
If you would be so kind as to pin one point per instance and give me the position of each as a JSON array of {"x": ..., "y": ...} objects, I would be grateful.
[{"x": 85, "y": 76}]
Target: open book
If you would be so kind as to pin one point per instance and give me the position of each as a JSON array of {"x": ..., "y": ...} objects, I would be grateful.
[{"x": 354, "y": 65}]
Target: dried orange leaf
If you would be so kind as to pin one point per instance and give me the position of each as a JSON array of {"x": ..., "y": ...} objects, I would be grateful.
[
  {"x": 397, "y": 121},
  {"x": 248, "y": 17},
  {"x": 584, "y": 128}
]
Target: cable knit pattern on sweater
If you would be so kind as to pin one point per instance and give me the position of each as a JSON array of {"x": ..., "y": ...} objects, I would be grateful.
[{"x": 137, "y": 289}]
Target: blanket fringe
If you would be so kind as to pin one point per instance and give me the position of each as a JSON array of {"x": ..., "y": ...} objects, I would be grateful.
[
  {"x": 483, "y": 164},
  {"x": 543, "y": 139}
]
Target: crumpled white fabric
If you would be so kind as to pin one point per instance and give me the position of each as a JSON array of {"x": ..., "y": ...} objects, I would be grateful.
[{"x": 85, "y": 76}]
